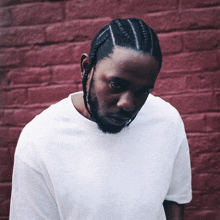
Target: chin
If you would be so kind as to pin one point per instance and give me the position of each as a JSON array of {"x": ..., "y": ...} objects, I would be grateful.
[
  {"x": 101, "y": 120},
  {"x": 111, "y": 129}
]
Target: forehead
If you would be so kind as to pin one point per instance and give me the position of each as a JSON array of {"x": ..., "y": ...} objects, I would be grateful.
[{"x": 130, "y": 65}]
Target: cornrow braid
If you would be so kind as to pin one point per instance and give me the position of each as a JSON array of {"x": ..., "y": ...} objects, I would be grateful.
[
  {"x": 135, "y": 35},
  {"x": 130, "y": 33},
  {"x": 119, "y": 25},
  {"x": 92, "y": 63},
  {"x": 144, "y": 32},
  {"x": 152, "y": 42}
]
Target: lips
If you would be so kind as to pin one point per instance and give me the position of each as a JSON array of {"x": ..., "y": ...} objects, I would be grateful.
[{"x": 119, "y": 120}]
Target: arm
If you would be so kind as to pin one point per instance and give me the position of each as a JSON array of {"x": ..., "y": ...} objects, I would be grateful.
[
  {"x": 173, "y": 210},
  {"x": 31, "y": 198},
  {"x": 180, "y": 191}
]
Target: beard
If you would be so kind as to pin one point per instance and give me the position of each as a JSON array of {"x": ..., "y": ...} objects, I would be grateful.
[{"x": 99, "y": 118}]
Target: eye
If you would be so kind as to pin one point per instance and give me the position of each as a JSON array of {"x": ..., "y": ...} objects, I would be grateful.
[{"x": 115, "y": 85}]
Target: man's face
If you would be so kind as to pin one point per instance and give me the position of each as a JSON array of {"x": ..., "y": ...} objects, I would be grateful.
[{"x": 119, "y": 87}]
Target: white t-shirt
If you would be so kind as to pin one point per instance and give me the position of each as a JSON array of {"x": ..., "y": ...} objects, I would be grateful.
[{"x": 67, "y": 169}]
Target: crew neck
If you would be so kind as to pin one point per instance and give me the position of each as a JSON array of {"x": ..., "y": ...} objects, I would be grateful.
[
  {"x": 91, "y": 126},
  {"x": 85, "y": 123}
]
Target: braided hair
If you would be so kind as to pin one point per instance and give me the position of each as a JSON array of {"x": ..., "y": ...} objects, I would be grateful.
[{"x": 130, "y": 33}]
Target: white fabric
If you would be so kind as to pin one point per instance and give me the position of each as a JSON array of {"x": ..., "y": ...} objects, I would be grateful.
[{"x": 67, "y": 169}]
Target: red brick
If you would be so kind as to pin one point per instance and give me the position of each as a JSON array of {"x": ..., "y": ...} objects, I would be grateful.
[
  {"x": 5, "y": 194},
  {"x": 216, "y": 15},
  {"x": 32, "y": 1},
  {"x": 49, "y": 94},
  {"x": 2, "y": 98},
  {"x": 50, "y": 55},
  {"x": 10, "y": 57},
  {"x": 199, "y": 18},
  {"x": 187, "y": 19},
  {"x": 170, "y": 43},
  {"x": 16, "y": 2},
  {"x": 195, "y": 123},
  {"x": 37, "y": 13},
  {"x": 193, "y": 103},
  {"x": 203, "y": 143},
  {"x": 1, "y": 116},
  {"x": 79, "y": 30},
  {"x": 3, "y": 77},
  {"x": 15, "y": 97},
  {"x": 29, "y": 76},
  {"x": 6, "y": 172},
  {"x": 70, "y": 73},
  {"x": 210, "y": 201},
  {"x": 9, "y": 2},
  {"x": 79, "y": 49},
  {"x": 4, "y": 156},
  {"x": 206, "y": 182},
  {"x": 171, "y": 85},
  {"x": 4, "y": 218},
  {"x": 218, "y": 100},
  {"x": 200, "y": 40},
  {"x": 3, "y": 136},
  {"x": 205, "y": 81},
  {"x": 79, "y": 87},
  {"x": 202, "y": 215},
  {"x": 17, "y": 36},
  {"x": 5, "y": 17},
  {"x": 206, "y": 163},
  {"x": 199, "y": 3},
  {"x": 213, "y": 122},
  {"x": 141, "y": 7},
  {"x": 89, "y": 9},
  {"x": 163, "y": 21},
  {"x": 195, "y": 202},
  {"x": 9, "y": 135},
  {"x": 190, "y": 61},
  {"x": 217, "y": 79},
  {"x": 218, "y": 56},
  {"x": 20, "y": 117},
  {"x": 12, "y": 152}
]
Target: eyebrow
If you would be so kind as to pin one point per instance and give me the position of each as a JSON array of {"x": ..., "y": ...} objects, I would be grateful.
[
  {"x": 127, "y": 83},
  {"x": 124, "y": 81}
]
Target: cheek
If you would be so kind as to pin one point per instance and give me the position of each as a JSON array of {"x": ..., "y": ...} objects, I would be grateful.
[
  {"x": 140, "y": 102},
  {"x": 105, "y": 97}
]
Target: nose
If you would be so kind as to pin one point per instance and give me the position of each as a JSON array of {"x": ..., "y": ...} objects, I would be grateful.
[{"x": 126, "y": 101}]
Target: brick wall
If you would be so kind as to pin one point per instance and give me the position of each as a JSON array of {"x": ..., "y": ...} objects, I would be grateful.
[{"x": 41, "y": 43}]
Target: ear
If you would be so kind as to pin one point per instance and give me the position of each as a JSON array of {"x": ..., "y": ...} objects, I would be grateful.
[{"x": 84, "y": 62}]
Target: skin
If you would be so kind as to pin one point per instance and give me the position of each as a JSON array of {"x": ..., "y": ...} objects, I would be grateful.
[
  {"x": 118, "y": 87},
  {"x": 173, "y": 210}
]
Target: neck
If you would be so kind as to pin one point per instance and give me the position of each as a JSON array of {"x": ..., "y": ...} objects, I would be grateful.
[{"x": 78, "y": 103}]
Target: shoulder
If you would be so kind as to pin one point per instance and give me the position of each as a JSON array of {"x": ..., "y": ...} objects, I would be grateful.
[
  {"x": 156, "y": 107},
  {"x": 158, "y": 115},
  {"x": 44, "y": 126},
  {"x": 55, "y": 113}
]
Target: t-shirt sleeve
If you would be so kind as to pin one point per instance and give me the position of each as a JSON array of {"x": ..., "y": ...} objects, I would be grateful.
[
  {"x": 180, "y": 187},
  {"x": 31, "y": 197}
]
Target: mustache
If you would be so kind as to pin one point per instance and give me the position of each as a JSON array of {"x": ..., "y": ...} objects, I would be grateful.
[
  {"x": 122, "y": 113},
  {"x": 93, "y": 102}
]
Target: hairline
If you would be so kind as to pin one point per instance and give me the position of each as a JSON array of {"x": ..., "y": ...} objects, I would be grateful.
[{"x": 129, "y": 48}]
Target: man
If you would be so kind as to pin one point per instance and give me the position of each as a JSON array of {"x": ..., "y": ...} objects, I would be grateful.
[{"x": 87, "y": 158}]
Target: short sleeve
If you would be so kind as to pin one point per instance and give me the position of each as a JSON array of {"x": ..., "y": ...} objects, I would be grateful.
[
  {"x": 31, "y": 196},
  {"x": 180, "y": 190}
]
